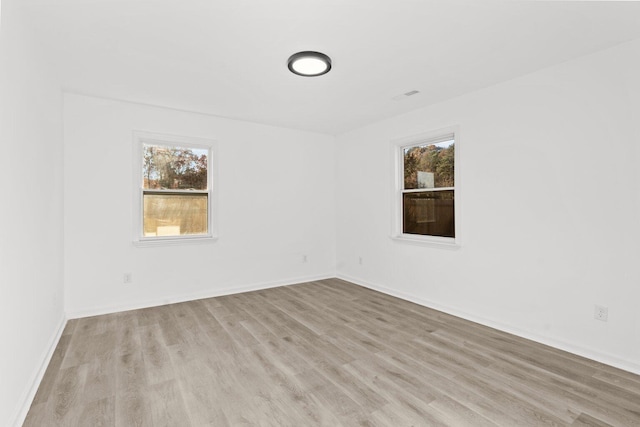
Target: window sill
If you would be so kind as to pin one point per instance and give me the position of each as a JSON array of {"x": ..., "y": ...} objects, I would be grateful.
[
  {"x": 174, "y": 241},
  {"x": 429, "y": 241}
]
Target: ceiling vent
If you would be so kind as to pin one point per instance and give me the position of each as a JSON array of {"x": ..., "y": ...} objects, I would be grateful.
[{"x": 405, "y": 95}]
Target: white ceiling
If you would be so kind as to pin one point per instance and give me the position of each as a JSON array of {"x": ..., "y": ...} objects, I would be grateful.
[{"x": 228, "y": 57}]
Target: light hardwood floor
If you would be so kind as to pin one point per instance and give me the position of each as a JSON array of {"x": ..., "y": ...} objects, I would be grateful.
[{"x": 323, "y": 353}]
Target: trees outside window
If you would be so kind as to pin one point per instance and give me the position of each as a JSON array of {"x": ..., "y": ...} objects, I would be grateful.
[
  {"x": 425, "y": 205},
  {"x": 175, "y": 188}
]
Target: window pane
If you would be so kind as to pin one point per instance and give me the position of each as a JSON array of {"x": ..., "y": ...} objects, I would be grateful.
[
  {"x": 165, "y": 167},
  {"x": 175, "y": 214},
  {"x": 429, "y": 213},
  {"x": 429, "y": 165}
]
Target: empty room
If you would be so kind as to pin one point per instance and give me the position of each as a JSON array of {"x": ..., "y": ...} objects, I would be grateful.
[{"x": 319, "y": 213}]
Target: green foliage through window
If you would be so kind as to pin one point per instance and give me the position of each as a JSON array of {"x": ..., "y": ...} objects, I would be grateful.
[
  {"x": 436, "y": 159},
  {"x": 174, "y": 168},
  {"x": 428, "y": 187}
]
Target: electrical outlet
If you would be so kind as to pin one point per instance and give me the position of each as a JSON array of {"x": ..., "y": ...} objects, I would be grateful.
[
  {"x": 360, "y": 260},
  {"x": 127, "y": 278},
  {"x": 601, "y": 313},
  {"x": 304, "y": 258}
]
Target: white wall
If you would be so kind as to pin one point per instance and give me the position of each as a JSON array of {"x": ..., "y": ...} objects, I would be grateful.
[
  {"x": 31, "y": 284},
  {"x": 276, "y": 204},
  {"x": 550, "y": 202}
]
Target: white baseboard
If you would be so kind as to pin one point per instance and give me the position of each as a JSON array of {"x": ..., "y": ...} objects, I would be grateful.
[
  {"x": 36, "y": 378},
  {"x": 598, "y": 356},
  {"x": 95, "y": 311}
]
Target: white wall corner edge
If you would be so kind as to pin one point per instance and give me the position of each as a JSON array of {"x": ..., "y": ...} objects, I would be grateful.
[
  {"x": 96, "y": 311},
  {"x": 36, "y": 378},
  {"x": 598, "y": 356}
]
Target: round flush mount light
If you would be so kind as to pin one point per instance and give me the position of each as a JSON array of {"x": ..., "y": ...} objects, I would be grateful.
[{"x": 309, "y": 64}]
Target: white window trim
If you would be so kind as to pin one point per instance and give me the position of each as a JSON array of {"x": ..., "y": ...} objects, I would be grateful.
[
  {"x": 140, "y": 138},
  {"x": 397, "y": 168}
]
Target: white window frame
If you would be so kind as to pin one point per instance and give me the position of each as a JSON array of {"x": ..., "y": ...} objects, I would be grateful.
[
  {"x": 140, "y": 138},
  {"x": 397, "y": 155}
]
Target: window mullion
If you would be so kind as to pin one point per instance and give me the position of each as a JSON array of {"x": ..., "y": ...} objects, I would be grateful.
[
  {"x": 427, "y": 190},
  {"x": 169, "y": 192}
]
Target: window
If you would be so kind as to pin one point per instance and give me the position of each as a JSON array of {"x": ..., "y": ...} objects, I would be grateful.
[
  {"x": 425, "y": 208},
  {"x": 174, "y": 188}
]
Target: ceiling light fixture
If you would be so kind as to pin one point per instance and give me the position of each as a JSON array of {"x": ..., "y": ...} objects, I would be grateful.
[{"x": 309, "y": 64}]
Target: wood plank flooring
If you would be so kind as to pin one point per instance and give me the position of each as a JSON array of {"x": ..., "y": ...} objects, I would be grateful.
[{"x": 326, "y": 353}]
